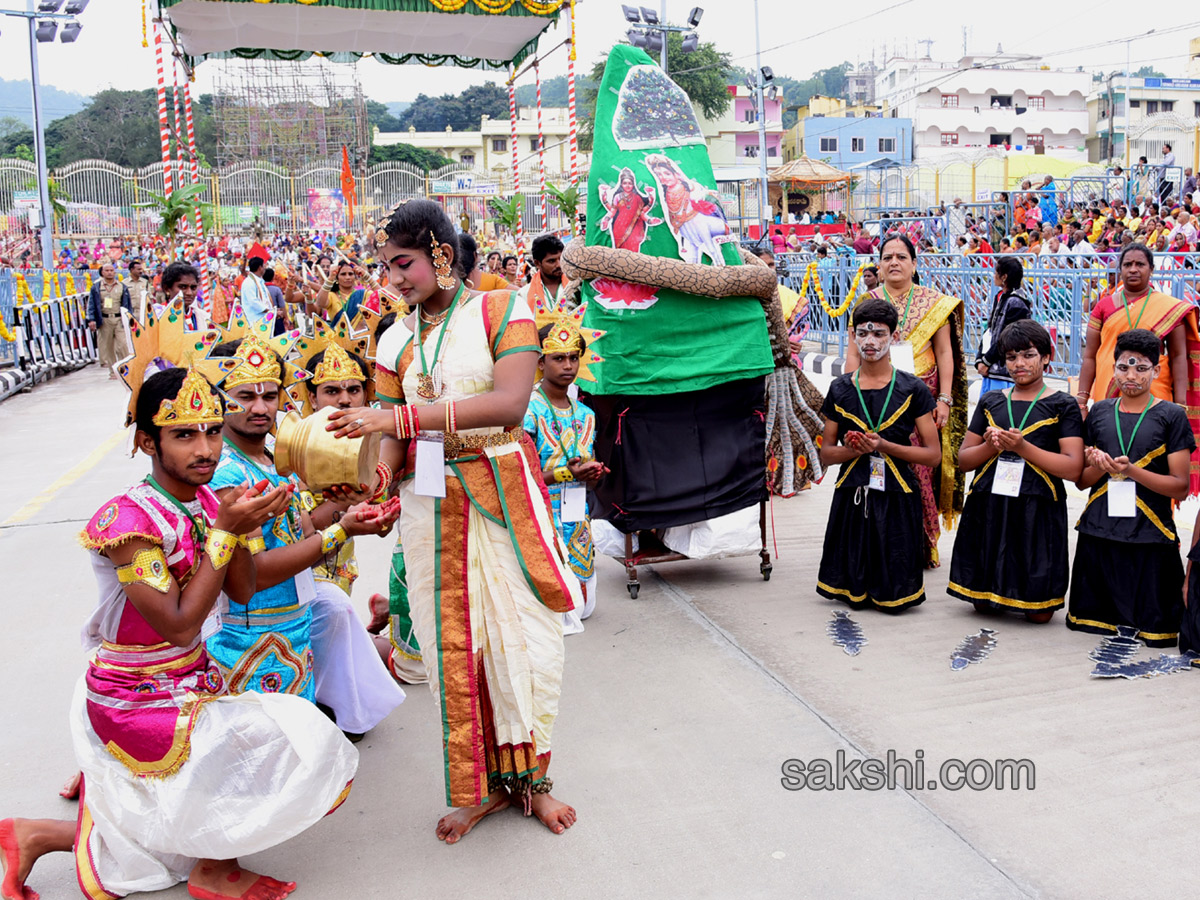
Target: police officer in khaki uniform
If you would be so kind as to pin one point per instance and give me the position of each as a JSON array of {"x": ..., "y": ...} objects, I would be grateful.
[
  {"x": 141, "y": 290},
  {"x": 107, "y": 299}
]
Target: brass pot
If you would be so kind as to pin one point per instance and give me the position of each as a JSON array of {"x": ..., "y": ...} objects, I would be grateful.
[{"x": 304, "y": 447}]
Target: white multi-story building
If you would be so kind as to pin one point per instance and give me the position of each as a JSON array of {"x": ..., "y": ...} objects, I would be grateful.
[
  {"x": 1004, "y": 100},
  {"x": 489, "y": 150}
]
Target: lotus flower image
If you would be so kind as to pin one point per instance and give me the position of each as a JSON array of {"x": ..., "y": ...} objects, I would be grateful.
[{"x": 614, "y": 294}]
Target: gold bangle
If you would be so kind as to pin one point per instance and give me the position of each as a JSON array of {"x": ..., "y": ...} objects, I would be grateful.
[
  {"x": 255, "y": 545},
  {"x": 219, "y": 545},
  {"x": 563, "y": 473},
  {"x": 332, "y": 538}
]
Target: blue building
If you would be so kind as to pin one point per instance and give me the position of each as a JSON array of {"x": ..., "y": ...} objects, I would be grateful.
[{"x": 845, "y": 142}]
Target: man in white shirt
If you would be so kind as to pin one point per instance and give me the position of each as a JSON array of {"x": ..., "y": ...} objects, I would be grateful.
[
  {"x": 1183, "y": 223},
  {"x": 256, "y": 300}
]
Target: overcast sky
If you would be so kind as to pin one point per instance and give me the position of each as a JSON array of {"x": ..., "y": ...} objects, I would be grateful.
[{"x": 795, "y": 42}]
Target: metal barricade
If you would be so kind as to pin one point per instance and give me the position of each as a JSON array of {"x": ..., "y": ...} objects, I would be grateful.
[
  {"x": 1061, "y": 289},
  {"x": 48, "y": 324}
]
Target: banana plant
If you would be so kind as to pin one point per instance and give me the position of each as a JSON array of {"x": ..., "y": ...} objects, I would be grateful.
[
  {"x": 176, "y": 209},
  {"x": 566, "y": 202},
  {"x": 507, "y": 213}
]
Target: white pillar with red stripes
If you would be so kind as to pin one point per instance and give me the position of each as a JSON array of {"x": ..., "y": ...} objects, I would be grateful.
[
  {"x": 164, "y": 131},
  {"x": 537, "y": 74},
  {"x": 512, "y": 115}
]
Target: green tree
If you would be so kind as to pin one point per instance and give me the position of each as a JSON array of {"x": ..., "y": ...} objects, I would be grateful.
[
  {"x": 554, "y": 92},
  {"x": 460, "y": 112},
  {"x": 379, "y": 116},
  {"x": 1148, "y": 72},
  {"x": 701, "y": 74},
  {"x": 407, "y": 153}
]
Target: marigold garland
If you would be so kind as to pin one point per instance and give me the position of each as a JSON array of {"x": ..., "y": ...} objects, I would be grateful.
[
  {"x": 5, "y": 333},
  {"x": 833, "y": 312},
  {"x": 24, "y": 294}
]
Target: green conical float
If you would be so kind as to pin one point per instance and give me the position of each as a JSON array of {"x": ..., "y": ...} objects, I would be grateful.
[{"x": 697, "y": 397}]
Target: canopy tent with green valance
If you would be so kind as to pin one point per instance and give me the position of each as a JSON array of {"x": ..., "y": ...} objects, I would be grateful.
[{"x": 485, "y": 34}]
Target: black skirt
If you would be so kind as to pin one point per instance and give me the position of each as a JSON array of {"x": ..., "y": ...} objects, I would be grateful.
[
  {"x": 873, "y": 554},
  {"x": 1116, "y": 583},
  {"x": 1011, "y": 553},
  {"x": 1189, "y": 629},
  {"x": 680, "y": 458}
]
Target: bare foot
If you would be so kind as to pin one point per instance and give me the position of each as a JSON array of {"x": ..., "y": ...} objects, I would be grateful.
[
  {"x": 555, "y": 814},
  {"x": 70, "y": 790},
  {"x": 22, "y": 843},
  {"x": 224, "y": 879},
  {"x": 453, "y": 827},
  {"x": 380, "y": 613}
]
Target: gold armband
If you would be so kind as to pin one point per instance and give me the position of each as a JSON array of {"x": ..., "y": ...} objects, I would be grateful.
[
  {"x": 332, "y": 538},
  {"x": 219, "y": 545},
  {"x": 563, "y": 473},
  {"x": 149, "y": 567},
  {"x": 255, "y": 545}
]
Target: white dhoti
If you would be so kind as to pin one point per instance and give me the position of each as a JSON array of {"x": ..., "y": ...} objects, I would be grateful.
[
  {"x": 349, "y": 676},
  {"x": 261, "y": 768}
]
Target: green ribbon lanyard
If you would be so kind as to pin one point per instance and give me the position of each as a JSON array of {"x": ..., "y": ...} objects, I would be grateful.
[
  {"x": 874, "y": 427},
  {"x": 437, "y": 350},
  {"x": 1012, "y": 422},
  {"x": 907, "y": 307},
  {"x": 575, "y": 426},
  {"x": 1141, "y": 312},
  {"x": 1132, "y": 437},
  {"x": 198, "y": 529}
]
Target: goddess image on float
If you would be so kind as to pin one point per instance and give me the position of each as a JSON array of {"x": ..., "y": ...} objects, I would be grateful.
[
  {"x": 693, "y": 215},
  {"x": 628, "y": 212}
]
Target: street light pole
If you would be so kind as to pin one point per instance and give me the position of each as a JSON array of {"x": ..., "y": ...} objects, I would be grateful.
[
  {"x": 663, "y": 19},
  {"x": 764, "y": 203},
  {"x": 39, "y": 149}
]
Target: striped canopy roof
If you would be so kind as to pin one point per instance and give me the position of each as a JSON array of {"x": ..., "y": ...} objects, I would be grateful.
[{"x": 490, "y": 34}]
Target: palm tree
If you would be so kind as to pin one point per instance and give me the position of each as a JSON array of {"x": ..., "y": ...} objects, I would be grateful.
[{"x": 566, "y": 202}]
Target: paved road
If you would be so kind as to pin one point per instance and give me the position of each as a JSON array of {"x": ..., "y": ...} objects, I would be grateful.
[{"x": 678, "y": 711}]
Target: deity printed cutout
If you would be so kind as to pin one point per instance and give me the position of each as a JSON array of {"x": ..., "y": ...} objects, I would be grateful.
[
  {"x": 694, "y": 214},
  {"x": 628, "y": 215},
  {"x": 653, "y": 111},
  {"x": 612, "y": 293}
]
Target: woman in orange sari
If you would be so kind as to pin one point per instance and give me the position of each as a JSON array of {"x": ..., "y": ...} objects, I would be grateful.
[
  {"x": 1135, "y": 305},
  {"x": 927, "y": 342}
]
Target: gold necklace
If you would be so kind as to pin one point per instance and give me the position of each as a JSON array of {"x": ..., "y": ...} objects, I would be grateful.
[{"x": 435, "y": 320}]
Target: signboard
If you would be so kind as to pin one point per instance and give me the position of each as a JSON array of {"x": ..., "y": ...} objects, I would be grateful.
[
  {"x": 326, "y": 209},
  {"x": 25, "y": 199},
  {"x": 1174, "y": 84},
  {"x": 463, "y": 184}
]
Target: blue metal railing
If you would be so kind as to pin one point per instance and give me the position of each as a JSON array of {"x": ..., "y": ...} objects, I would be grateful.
[{"x": 1062, "y": 290}]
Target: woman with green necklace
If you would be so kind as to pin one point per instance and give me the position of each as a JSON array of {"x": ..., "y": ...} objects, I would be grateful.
[
  {"x": 928, "y": 344},
  {"x": 1011, "y": 552},
  {"x": 488, "y": 579}
]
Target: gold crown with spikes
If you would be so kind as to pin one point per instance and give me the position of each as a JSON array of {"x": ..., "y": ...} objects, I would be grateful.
[
  {"x": 567, "y": 333},
  {"x": 256, "y": 362},
  {"x": 337, "y": 342},
  {"x": 251, "y": 363},
  {"x": 164, "y": 338},
  {"x": 194, "y": 404}
]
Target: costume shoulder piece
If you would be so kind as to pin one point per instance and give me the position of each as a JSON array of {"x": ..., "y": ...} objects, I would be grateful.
[{"x": 119, "y": 520}]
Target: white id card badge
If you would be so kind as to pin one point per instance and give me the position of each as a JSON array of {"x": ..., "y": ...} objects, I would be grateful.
[
  {"x": 902, "y": 357},
  {"x": 573, "y": 507},
  {"x": 306, "y": 587},
  {"x": 430, "y": 478},
  {"x": 1009, "y": 474},
  {"x": 1122, "y": 499},
  {"x": 877, "y": 478}
]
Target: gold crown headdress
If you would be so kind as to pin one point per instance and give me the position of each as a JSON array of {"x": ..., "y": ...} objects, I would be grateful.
[
  {"x": 162, "y": 342},
  {"x": 337, "y": 342},
  {"x": 567, "y": 333},
  {"x": 194, "y": 404},
  {"x": 257, "y": 358}
]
